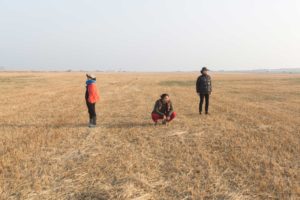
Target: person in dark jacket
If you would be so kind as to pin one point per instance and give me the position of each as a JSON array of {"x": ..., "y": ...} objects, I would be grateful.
[
  {"x": 204, "y": 89},
  {"x": 163, "y": 109},
  {"x": 91, "y": 97}
]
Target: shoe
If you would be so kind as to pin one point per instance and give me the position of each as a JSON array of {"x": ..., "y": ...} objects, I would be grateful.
[
  {"x": 200, "y": 113},
  {"x": 92, "y": 126},
  {"x": 94, "y": 122},
  {"x": 206, "y": 113},
  {"x": 90, "y": 122},
  {"x": 164, "y": 122}
]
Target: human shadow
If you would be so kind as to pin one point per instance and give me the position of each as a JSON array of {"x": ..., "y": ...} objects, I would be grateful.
[
  {"x": 128, "y": 125},
  {"x": 31, "y": 125},
  {"x": 78, "y": 125}
]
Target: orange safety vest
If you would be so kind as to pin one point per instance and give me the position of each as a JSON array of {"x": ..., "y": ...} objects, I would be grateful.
[{"x": 93, "y": 93}]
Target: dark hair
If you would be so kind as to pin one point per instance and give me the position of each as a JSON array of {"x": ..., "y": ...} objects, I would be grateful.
[
  {"x": 203, "y": 69},
  {"x": 163, "y": 95}
]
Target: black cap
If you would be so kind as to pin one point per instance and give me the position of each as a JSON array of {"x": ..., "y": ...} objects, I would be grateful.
[{"x": 204, "y": 69}]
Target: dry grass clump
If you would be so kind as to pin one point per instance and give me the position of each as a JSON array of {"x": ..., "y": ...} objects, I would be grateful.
[{"x": 248, "y": 148}]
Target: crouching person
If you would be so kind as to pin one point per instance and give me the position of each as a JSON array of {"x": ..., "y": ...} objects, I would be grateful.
[
  {"x": 163, "y": 109},
  {"x": 91, "y": 97}
]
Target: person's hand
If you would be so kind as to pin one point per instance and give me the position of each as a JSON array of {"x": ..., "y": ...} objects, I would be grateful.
[{"x": 165, "y": 116}]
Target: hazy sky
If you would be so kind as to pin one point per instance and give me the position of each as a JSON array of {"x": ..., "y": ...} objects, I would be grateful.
[{"x": 149, "y": 35}]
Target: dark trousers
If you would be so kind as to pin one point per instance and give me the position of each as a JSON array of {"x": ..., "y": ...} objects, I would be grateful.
[
  {"x": 91, "y": 109},
  {"x": 202, "y": 96}
]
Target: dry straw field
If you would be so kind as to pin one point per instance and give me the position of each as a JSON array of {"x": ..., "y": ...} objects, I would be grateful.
[{"x": 247, "y": 148}]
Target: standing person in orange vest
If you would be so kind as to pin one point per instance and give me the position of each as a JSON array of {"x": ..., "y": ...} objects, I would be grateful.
[{"x": 91, "y": 97}]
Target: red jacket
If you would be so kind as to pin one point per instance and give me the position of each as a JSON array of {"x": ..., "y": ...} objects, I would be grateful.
[{"x": 93, "y": 94}]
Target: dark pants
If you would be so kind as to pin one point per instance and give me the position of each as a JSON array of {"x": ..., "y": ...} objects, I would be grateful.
[
  {"x": 202, "y": 96},
  {"x": 91, "y": 109}
]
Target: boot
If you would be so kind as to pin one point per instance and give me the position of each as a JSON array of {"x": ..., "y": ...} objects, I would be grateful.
[
  {"x": 94, "y": 121},
  {"x": 91, "y": 124}
]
